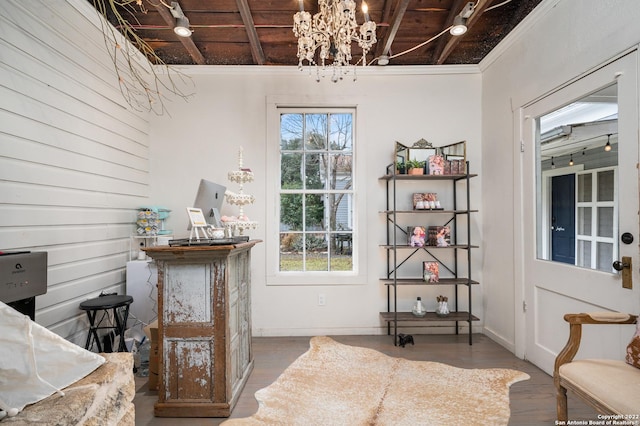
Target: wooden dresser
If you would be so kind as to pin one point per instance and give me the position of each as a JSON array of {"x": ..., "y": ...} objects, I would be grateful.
[{"x": 204, "y": 328}]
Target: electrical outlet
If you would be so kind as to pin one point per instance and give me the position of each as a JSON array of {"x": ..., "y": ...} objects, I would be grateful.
[{"x": 322, "y": 299}]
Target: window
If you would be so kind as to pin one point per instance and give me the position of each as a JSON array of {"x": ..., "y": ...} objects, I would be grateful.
[
  {"x": 597, "y": 219},
  {"x": 577, "y": 167},
  {"x": 315, "y": 197}
]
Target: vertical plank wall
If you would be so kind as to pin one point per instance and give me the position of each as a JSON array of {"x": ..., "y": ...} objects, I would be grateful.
[{"x": 73, "y": 156}]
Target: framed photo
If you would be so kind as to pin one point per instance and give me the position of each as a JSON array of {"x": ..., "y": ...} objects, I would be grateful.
[
  {"x": 436, "y": 165},
  {"x": 431, "y": 272},
  {"x": 196, "y": 216},
  {"x": 439, "y": 236},
  {"x": 416, "y": 236},
  {"x": 426, "y": 201}
]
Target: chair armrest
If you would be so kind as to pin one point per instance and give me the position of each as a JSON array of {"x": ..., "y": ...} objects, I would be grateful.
[{"x": 575, "y": 332}]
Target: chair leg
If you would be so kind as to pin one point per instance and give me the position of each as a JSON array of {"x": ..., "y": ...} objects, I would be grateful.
[{"x": 561, "y": 400}]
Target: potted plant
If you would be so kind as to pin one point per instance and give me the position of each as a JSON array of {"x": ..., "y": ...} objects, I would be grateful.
[
  {"x": 401, "y": 167},
  {"x": 415, "y": 167}
]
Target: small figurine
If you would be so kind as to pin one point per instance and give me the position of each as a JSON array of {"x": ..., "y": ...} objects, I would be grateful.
[{"x": 404, "y": 339}]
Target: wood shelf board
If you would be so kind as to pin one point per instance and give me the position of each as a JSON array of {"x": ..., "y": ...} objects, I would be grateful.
[
  {"x": 426, "y": 177},
  {"x": 430, "y": 211},
  {"x": 405, "y": 246},
  {"x": 430, "y": 316},
  {"x": 420, "y": 281}
]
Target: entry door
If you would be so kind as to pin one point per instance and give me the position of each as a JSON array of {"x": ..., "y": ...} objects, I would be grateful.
[
  {"x": 554, "y": 288},
  {"x": 563, "y": 219}
]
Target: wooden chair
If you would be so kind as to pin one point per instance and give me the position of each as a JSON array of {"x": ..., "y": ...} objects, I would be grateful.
[{"x": 610, "y": 386}]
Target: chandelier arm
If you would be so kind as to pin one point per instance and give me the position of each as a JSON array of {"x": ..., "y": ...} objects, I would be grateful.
[{"x": 329, "y": 34}]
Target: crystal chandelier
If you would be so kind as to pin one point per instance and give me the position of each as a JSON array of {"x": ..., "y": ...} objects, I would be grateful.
[{"x": 332, "y": 30}]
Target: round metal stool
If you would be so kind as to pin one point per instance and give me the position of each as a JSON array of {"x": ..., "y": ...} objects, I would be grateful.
[{"x": 120, "y": 306}]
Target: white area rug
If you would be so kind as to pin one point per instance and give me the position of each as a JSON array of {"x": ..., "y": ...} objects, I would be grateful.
[{"x": 336, "y": 384}]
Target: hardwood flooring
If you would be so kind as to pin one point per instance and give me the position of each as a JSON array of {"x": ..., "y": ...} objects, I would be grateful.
[{"x": 533, "y": 401}]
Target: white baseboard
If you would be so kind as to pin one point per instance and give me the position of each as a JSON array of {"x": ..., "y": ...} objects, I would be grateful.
[
  {"x": 510, "y": 346},
  {"x": 363, "y": 331}
]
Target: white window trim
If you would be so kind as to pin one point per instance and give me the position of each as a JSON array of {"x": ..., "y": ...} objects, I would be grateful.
[
  {"x": 594, "y": 238},
  {"x": 359, "y": 275}
]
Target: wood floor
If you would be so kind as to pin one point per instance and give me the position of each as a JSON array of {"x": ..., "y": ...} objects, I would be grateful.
[{"x": 532, "y": 401}]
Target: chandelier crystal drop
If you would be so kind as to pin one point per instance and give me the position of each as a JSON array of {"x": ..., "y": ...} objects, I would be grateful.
[{"x": 332, "y": 31}]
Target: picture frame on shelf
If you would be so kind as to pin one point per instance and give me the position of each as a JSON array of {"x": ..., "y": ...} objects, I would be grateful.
[
  {"x": 416, "y": 236},
  {"x": 426, "y": 201},
  {"x": 436, "y": 165},
  {"x": 439, "y": 236},
  {"x": 196, "y": 217},
  {"x": 431, "y": 271}
]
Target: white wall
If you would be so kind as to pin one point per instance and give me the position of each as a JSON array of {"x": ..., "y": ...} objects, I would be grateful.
[
  {"x": 567, "y": 38},
  {"x": 73, "y": 157},
  {"x": 202, "y": 137}
]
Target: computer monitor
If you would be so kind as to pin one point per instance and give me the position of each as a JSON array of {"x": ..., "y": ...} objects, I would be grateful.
[{"x": 209, "y": 199}]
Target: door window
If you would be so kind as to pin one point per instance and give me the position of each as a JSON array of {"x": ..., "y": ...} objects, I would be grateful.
[{"x": 577, "y": 160}]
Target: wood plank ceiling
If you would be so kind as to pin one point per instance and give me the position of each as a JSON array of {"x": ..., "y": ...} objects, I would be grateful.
[{"x": 259, "y": 32}]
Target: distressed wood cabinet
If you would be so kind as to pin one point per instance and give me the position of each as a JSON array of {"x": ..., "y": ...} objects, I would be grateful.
[{"x": 204, "y": 328}]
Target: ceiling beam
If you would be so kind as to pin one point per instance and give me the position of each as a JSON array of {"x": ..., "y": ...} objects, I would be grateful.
[
  {"x": 386, "y": 13},
  {"x": 442, "y": 41},
  {"x": 254, "y": 41},
  {"x": 187, "y": 42},
  {"x": 481, "y": 5},
  {"x": 396, "y": 19}
]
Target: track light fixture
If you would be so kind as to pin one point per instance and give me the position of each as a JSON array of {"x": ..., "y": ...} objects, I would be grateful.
[
  {"x": 459, "y": 26},
  {"x": 607, "y": 147},
  {"x": 182, "y": 22}
]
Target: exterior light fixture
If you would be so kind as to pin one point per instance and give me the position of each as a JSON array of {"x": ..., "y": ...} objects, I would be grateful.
[
  {"x": 607, "y": 147},
  {"x": 182, "y": 22},
  {"x": 553, "y": 165},
  {"x": 571, "y": 160}
]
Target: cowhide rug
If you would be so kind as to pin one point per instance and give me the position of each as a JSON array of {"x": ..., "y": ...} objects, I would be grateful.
[{"x": 336, "y": 384}]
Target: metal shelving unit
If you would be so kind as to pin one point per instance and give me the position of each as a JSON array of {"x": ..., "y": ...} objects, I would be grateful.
[{"x": 399, "y": 256}]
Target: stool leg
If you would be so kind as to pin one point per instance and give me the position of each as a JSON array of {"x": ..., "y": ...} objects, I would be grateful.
[
  {"x": 93, "y": 332},
  {"x": 121, "y": 326}
]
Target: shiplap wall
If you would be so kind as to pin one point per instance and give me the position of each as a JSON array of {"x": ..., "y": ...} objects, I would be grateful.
[{"x": 74, "y": 158}]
